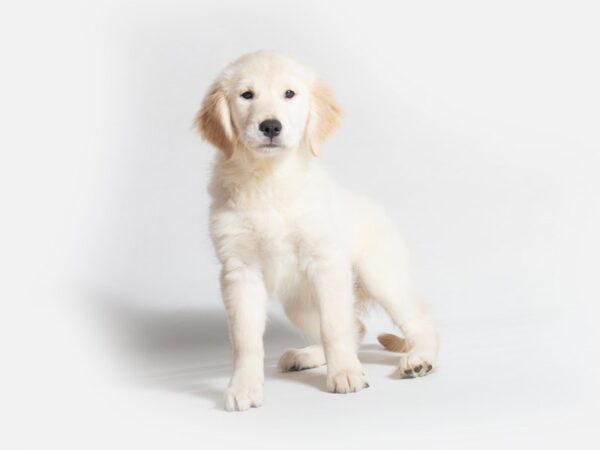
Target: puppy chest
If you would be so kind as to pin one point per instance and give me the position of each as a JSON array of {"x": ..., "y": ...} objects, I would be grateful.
[
  {"x": 276, "y": 242},
  {"x": 273, "y": 234}
]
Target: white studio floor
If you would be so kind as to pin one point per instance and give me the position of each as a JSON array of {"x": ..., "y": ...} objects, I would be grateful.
[{"x": 513, "y": 382}]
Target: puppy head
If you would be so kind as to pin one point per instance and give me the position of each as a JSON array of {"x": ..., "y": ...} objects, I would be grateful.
[{"x": 267, "y": 104}]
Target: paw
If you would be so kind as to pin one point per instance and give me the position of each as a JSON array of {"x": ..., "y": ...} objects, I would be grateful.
[
  {"x": 242, "y": 396},
  {"x": 301, "y": 359},
  {"x": 346, "y": 381},
  {"x": 414, "y": 365}
]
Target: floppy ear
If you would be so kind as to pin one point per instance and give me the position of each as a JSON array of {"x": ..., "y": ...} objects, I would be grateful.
[
  {"x": 213, "y": 121},
  {"x": 324, "y": 117}
]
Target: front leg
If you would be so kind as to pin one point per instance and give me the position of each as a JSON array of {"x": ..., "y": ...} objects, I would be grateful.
[
  {"x": 245, "y": 299},
  {"x": 333, "y": 288}
]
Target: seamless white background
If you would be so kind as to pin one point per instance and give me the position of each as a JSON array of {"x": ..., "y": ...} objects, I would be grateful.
[{"x": 477, "y": 126}]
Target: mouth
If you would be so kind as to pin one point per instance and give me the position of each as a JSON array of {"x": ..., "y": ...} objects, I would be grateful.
[{"x": 269, "y": 148}]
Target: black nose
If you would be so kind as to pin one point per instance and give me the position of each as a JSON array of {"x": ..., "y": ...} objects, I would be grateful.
[{"x": 270, "y": 128}]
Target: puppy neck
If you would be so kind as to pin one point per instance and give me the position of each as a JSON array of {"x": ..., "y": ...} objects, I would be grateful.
[{"x": 246, "y": 173}]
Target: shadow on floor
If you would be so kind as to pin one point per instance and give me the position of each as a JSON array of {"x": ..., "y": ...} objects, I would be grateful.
[{"x": 188, "y": 351}]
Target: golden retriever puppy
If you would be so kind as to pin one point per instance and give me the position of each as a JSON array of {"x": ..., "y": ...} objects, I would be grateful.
[{"x": 281, "y": 227}]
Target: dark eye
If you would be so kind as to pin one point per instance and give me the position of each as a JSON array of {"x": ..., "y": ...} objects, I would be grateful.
[
  {"x": 248, "y": 95},
  {"x": 289, "y": 94}
]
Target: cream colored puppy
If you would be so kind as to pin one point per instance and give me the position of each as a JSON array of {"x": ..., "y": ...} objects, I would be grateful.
[{"x": 281, "y": 227}]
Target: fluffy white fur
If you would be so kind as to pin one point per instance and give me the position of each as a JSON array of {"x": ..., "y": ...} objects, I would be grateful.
[{"x": 281, "y": 227}]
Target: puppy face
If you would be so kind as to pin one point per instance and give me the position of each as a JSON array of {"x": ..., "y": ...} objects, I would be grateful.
[
  {"x": 267, "y": 104},
  {"x": 269, "y": 100}
]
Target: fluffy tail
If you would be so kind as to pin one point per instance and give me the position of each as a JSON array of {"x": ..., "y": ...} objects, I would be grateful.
[{"x": 393, "y": 343}]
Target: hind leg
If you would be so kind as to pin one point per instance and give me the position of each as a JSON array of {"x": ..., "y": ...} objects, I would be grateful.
[
  {"x": 384, "y": 273},
  {"x": 422, "y": 342},
  {"x": 421, "y": 337},
  {"x": 409, "y": 314},
  {"x": 306, "y": 318},
  {"x": 302, "y": 358}
]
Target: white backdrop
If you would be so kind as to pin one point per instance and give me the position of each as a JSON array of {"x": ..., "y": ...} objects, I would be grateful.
[
  {"x": 479, "y": 127},
  {"x": 477, "y": 122}
]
